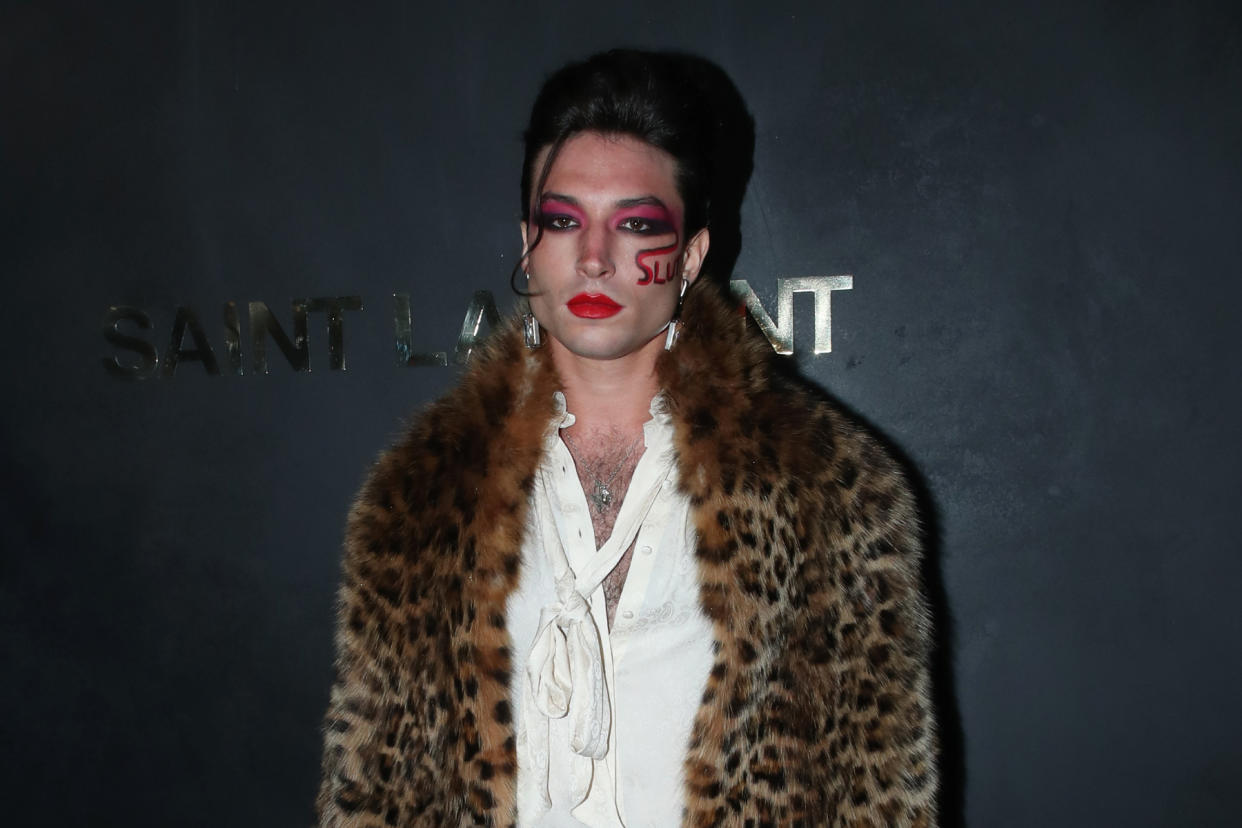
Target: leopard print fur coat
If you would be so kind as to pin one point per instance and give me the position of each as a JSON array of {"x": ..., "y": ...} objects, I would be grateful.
[{"x": 817, "y": 710}]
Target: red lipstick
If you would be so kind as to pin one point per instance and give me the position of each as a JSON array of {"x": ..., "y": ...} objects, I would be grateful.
[{"x": 592, "y": 307}]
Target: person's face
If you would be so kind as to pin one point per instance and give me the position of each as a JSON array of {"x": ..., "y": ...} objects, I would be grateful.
[{"x": 606, "y": 273}]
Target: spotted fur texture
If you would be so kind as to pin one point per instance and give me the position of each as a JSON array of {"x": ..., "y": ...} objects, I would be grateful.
[{"x": 817, "y": 710}]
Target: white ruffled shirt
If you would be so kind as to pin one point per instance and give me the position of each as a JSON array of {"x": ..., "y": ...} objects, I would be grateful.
[{"x": 603, "y": 717}]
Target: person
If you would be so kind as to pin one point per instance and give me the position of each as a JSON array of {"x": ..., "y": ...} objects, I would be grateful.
[{"x": 629, "y": 571}]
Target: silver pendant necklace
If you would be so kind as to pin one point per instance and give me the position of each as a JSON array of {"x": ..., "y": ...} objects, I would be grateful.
[{"x": 601, "y": 493}]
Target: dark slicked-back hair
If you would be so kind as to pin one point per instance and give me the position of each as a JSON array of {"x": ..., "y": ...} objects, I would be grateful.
[{"x": 623, "y": 92}]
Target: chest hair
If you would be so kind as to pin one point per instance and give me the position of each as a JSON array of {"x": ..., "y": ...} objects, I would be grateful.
[{"x": 596, "y": 454}]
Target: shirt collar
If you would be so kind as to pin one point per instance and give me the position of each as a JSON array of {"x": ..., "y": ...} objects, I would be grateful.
[
  {"x": 561, "y": 418},
  {"x": 660, "y": 417}
]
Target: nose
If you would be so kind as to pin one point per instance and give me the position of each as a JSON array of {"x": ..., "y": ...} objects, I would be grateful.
[{"x": 595, "y": 253}]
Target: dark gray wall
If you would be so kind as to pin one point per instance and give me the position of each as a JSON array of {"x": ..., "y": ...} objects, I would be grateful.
[{"x": 1040, "y": 207}]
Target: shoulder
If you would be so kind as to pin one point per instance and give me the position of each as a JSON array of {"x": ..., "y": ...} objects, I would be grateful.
[
  {"x": 453, "y": 432},
  {"x": 744, "y": 413},
  {"x": 463, "y": 455},
  {"x": 848, "y": 484}
]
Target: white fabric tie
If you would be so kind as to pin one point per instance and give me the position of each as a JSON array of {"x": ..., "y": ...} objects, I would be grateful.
[
  {"x": 566, "y": 672},
  {"x": 565, "y": 669}
]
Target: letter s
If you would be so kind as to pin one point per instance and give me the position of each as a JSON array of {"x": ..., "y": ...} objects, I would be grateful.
[{"x": 145, "y": 350}]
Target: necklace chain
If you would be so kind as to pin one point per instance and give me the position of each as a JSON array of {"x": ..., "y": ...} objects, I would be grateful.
[{"x": 601, "y": 495}]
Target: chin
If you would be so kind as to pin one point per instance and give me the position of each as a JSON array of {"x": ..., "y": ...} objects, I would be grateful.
[
  {"x": 600, "y": 350},
  {"x": 602, "y": 346}
]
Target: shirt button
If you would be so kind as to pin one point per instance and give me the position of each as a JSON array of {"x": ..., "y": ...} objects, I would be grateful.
[
  {"x": 627, "y": 615},
  {"x": 646, "y": 550}
]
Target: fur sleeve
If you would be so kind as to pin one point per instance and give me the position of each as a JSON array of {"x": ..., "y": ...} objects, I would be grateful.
[
  {"x": 884, "y": 720},
  {"x": 375, "y": 741}
]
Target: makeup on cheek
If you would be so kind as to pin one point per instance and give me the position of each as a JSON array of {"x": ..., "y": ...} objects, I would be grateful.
[
  {"x": 652, "y": 221},
  {"x": 655, "y": 221},
  {"x": 657, "y": 271}
]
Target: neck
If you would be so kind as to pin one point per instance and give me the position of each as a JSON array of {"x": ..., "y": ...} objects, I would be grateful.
[{"x": 609, "y": 395}]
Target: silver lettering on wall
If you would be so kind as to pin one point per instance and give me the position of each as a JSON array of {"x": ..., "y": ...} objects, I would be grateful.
[
  {"x": 404, "y": 337},
  {"x": 781, "y": 332},
  {"x": 138, "y": 358},
  {"x": 334, "y": 307},
  {"x": 263, "y": 323},
  {"x": 232, "y": 338},
  {"x": 186, "y": 320},
  {"x": 147, "y": 357},
  {"x": 482, "y": 306}
]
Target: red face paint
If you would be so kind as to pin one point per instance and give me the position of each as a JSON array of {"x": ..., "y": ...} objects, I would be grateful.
[
  {"x": 657, "y": 272},
  {"x": 592, "y": 307},
  {"x": 652, "y": 220}
]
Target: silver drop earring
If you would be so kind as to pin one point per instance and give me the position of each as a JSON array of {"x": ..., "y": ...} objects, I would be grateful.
[
  {"x": 530, "y": 325},
  {"x": 670, "y": 338},
  {"x": 530, "y": 331}
]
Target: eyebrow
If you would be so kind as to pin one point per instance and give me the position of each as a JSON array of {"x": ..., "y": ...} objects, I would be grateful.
[
  {"x": 647, "y": 200},
  {"x": 642, "y": 201}
]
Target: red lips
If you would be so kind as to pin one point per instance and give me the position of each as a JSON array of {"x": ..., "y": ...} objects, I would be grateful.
[{"x": 592, "y": 307}]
